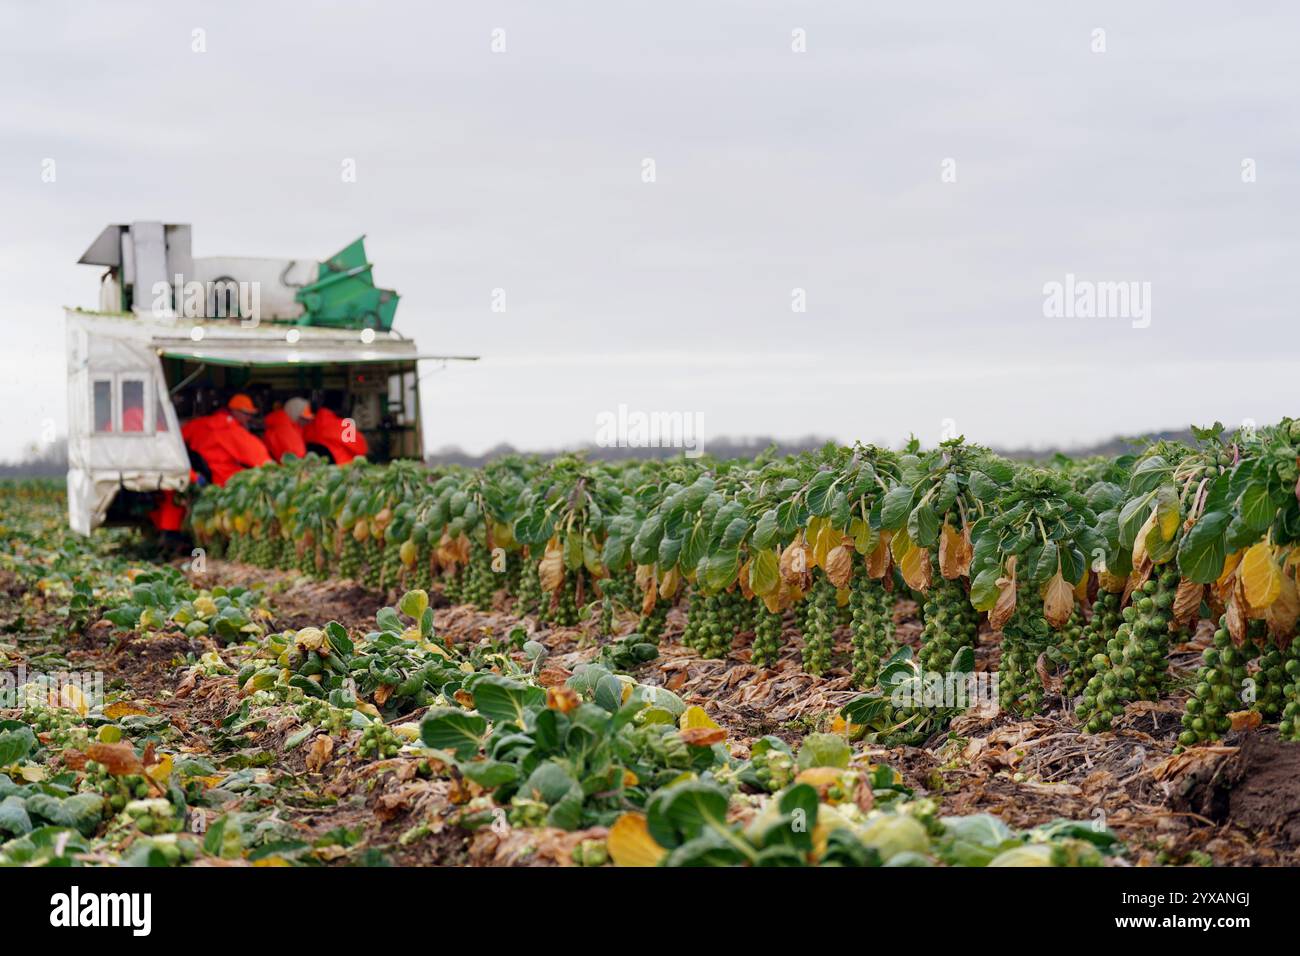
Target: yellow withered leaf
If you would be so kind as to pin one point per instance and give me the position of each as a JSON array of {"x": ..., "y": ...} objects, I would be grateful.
[
  {"x": 694, "y": 717},
  {"x": 670, "y": 583},
  {"x": 310, "y": 639},
  {"x": 860, "y": 531},
  {"x": 629, "y": 842},
  {"x": 814, "y": 527},
  {"x": 765, "y": 573},
  {"x": 1114, "y": 583},
  {"x": 160, "y": 771},
  {"x": 1229, "y": 566},
  {"x": 820, "y": 778},
  {"x": 1283, "y": 614},
  {"x": 915, "y": 568},
  {"x": 899, "y": 545},
  {"x": 1081, "y": 588},
  {"x": 1260, "y": 576},
  {"x": 828, "y": 538},
  {"x": 1168, "y": 518},
  {"x": 121, "y": 709},
  {"x": 71, "y": 698},
  {"x": 1140, "y": 542}
]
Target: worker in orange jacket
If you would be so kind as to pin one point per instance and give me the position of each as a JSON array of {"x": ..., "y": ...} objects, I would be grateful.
[
  {"x": 167, "y": 515},
  {"x": 339, "y": 436},
  {"x": 224, "y": 441},
  {"x": 284, "y": 429}
]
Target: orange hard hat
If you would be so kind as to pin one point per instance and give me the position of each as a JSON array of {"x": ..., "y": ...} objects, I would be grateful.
[{"x": 241, "y": 403}]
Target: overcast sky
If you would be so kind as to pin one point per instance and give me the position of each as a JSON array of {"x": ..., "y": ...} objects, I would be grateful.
[{"x": 775, "y": 170}]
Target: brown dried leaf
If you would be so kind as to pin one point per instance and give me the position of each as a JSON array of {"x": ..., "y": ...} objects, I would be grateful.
[
  {"x": 649, "y": 598},
  {"x": 795, "y": 562},
  {"x": 551, "y": 676},
  {"x": 878, "y": 561},
  {"x": 319, "y": 754},
  {"x": 1006, "y": 603},
  {"x": 703, "y": 736},
  {"x": 187, "y": 684},
  {"x": 839, "y": 565},
  {"x": 550, "y": 570},
  {"x": 74, "y": 759},
  {"x": 1245, "y": 719},
  {"x": 1138, "y": 577},
  {"x": 1187, "y": 602},
  {"x": 562, "y": 698},
  {"x": 1236, "y": 614},
  {"x": 1058, "y": 601},
  {"x": 1140, "y": 542},
  {"x": 955, "y": 552},
  {"x": 118, "y": 759},
  {"x": 743, "y": 581}
]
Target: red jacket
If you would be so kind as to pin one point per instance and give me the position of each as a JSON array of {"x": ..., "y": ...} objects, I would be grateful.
[
  {"x": 283, "y": 436},
  {"x": 329, "y": 430},
  {"x": 227, "y": 446}
]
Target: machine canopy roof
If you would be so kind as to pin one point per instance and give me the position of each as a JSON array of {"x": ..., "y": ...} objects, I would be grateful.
[{"x": 270, "y": 354}]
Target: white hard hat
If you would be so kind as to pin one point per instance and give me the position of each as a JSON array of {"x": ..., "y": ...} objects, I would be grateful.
[{"x": 298, "y": 409}]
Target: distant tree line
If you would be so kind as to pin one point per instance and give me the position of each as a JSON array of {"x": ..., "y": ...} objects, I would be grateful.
[{"x": 50, "y": 461}]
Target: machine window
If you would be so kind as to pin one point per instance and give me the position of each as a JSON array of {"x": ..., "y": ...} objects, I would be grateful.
[
  {"x": 103, "y": 410},
  {"x": 132, "y": 405}
]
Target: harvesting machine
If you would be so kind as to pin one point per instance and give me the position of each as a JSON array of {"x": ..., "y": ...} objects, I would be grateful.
[{"x": 174, "y": 335}]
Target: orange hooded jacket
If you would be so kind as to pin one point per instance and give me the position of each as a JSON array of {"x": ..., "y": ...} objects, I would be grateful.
[
  {"x": 227, "y": 446},
  {"x": 328, "y": 429}
]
